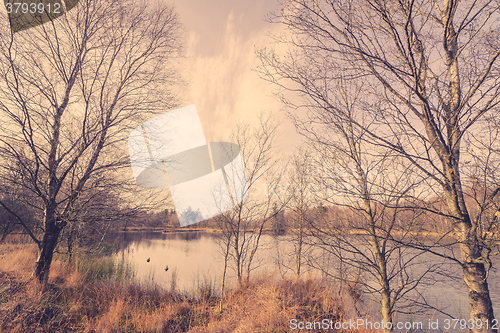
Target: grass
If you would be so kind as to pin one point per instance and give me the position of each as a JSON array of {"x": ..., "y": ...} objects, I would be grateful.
[{"x": 96, "y": 295}]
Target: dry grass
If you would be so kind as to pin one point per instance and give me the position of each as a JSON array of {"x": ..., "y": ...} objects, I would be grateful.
[{"x": 96, "y": 296}]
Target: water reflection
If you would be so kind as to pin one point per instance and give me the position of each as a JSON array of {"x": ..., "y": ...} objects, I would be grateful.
[{"x": 192, "y": 258}]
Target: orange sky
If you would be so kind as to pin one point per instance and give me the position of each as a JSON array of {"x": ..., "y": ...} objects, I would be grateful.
[{"x": 220, "y": 47}]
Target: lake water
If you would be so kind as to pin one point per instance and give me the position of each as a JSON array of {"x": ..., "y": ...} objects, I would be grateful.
[{"x": 195, "y": 259}]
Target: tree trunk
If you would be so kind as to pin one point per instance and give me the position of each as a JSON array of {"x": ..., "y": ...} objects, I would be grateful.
[
  {"x": 385, "y": 287},
  {"x": 69, "y": 243},
  {"x": 226, "y": 259},
  {"x": 47, "y": 247},
  {"x": 475, "y": 279},
  {"x": 386, "y": 308},
  {"x": 473, "y": 265},
  {"x": 239, "y": 268},
  {"x": 298, "y": 256},
  {"x": 299, "y": 259},
  {"x": 44, "y": 261}
]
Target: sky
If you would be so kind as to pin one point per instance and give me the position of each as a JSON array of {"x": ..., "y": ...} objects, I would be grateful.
[{"x": 221, "y": 38}]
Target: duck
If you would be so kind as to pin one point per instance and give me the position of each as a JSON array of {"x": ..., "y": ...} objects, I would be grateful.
[
  {"x": 148, "y": 260},
  {"x": 166, "y": 268}
]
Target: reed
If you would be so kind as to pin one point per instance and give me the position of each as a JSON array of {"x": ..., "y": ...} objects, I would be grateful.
[{"x": 94, "y": 294}]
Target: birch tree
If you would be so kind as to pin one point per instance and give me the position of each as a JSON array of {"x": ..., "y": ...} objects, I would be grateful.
[
  {"x": 365, "y": 185},
  {"x": 431, "y": 72}
]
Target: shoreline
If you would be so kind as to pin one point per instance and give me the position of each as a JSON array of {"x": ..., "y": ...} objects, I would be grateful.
[
  {"x": 433, "y": 235},
  {"x": 164, "y": 230}
]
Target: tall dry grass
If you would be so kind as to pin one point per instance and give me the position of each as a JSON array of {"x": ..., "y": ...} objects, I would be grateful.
[{"x": 96, "y": 295}]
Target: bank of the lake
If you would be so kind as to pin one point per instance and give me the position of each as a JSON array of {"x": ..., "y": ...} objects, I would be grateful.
[
  {"x": 195, "y": 259},
  {"x": 97, "y": 294}
]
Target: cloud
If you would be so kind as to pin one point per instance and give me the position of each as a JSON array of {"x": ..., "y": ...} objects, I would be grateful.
[{"x": 223, "y": 85}]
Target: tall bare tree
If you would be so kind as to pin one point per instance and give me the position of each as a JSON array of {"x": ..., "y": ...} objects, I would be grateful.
[
  {"x": 365, "y": 185},
  {"x": 69, "y": 91},
  {"x": 243, "y": 226},
  {"x": 431, "y": 72}
]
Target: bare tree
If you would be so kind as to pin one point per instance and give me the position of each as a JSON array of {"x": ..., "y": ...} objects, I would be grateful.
[
  {"x": 243, "y": 226},
  {"x": 365, "y": 183},
  {"x": 300, "y": 209},
  {"x": 431, "y": 72},
  {"x": 70, "y": 90}
]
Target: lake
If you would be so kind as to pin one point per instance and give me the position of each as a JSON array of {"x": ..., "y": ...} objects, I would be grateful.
[{"x": 195, "y": 259}]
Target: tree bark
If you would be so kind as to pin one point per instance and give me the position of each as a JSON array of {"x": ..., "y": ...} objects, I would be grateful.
[
  {"x": 473, "y": 260},
  {"x": 386, "y": 304},
  {"x": 298, "y": 256},
  {"x": 47, "y": 246},
  {"x": 475, "y": 279}
]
